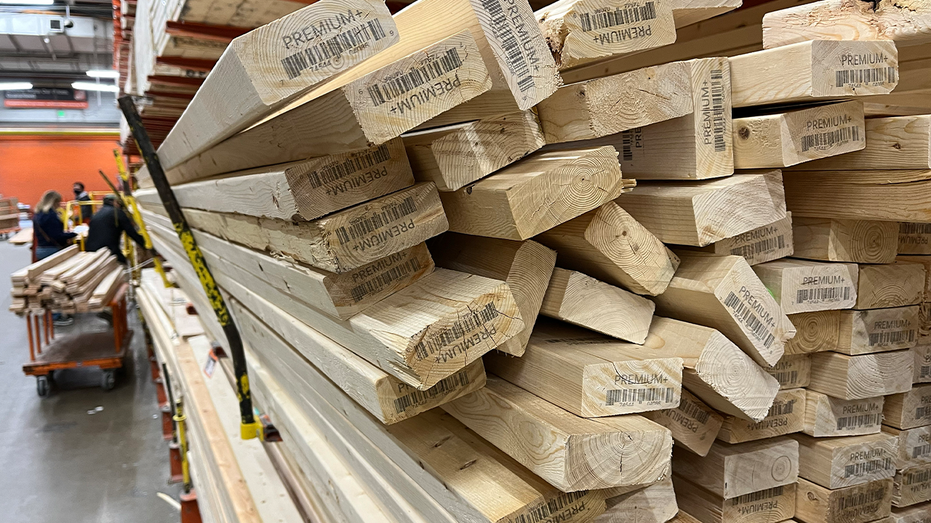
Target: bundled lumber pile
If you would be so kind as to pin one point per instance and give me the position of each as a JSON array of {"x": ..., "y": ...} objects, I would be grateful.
[
  {"x": 9, "y": 214},
  {"x": 68, "y": 281},
  {"x": 459, "y": 305}
]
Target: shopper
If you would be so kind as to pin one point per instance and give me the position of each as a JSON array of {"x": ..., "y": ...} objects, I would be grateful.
[
  {"x": 87, "y": 210},
  {"x": 50, "y": 236},
  {"x": 107, "y": 227}
]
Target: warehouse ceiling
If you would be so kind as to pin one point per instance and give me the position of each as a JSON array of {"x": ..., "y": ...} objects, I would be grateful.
[{"x": 51, "y": 45}]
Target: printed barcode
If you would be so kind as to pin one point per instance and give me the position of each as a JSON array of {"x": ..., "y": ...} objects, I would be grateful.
[
  {"x": 331, "y": 48},
  {"x": 613, "y": 396},
  {"x": 923, "y": 412},
  {"x": 378, "y": 220},
  {"x": 855, "y": 422},
  {"x": 335, "y": 171},
  {"x": 861, "y": 498},
  {"x": 865, "y": 76},
  {"x": 914, "y": 228},
  {"x": 757, "y": 496},
  {"x": 554, "y": 505},
  {"x": 419, "y": 397},
  {"x": 382, "y": 280},
  {"x": 867, "y": 467},
  {"x": 619, "y": 16},
  {"x": 515, "y": 58},
  {"x": 830, "y": 138},
  {"x": 717, "y": 105},
  {"x": 921, "y": 450},
  {"x": 456, "y": 331},
  {"x": 925, "y": 371},
  {"x": 917, "y": 477},
  {"x": 883, "y": 338},
  {"x": 692, "y": 410},
  {"x": 757, "y": 327},
  {"x": 823, "y": 294},
  {"x": 781, "y": 409},
  {"x": 786, "y": 377},
  {"x": 766, "y": 245},
  {"x": 627, "y": 142},
  {"x": 417, "y": 76}
]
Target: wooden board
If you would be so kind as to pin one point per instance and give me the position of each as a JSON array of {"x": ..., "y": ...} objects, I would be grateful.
[
  {"x": 579, "y": 299},
  {"x": 909, "y": 409},
  {"x": 609, "y": 244},
  {"x": 723, "y": 292},
  {"x": 860, "y": 377},
  {"x": 912, "y": 486},
  {"x": 799, "y": 135},
  {"x": 922, "y": 353},
  {"x": 826, "y": 416},
  {"x": 915, "y": 514},
  {"x": 903, "y": 196},
  {"x": 694, "y": 425},
  {"x": 786, "y": 416},
  {"x": 844, "y": 462},
  {"x": 457, "y": 155},
  {"x": 814, "y": 70},
  {"x": 856, "y": 504},
  {"x": 913, "y": 446},
  {"x": 914, "y": 238},
  {"x": 840, "y": 240},
  {"x": 760, "y": 245},
  {"x": 730, "y": 471},
  {"x": 898, "y": 142},
  {"x": 33, "y": 271},
  {"x": 809, "y": 286},
  {"x": 590, "y": 375},
  {"x": 792, "y": 371},
  {"x": 895, "y": 285},
  {"x": 876, "y": 330},
  {"x": 696, "y": 213},
  {"x": 655, "y": 503},
  {"x": 525, "y": 266},
  {"x": 507, "y": 205},
  {"x": 770, "y": 505}
]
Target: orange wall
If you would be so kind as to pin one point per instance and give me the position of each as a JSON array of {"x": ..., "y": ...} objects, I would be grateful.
[{"x": 33, "y": 164}]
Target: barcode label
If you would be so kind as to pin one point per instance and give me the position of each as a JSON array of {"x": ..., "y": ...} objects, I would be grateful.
[
  {"x": 865, "y": 76},
  {"x": 616, "y": 17},
  {"x": 766, "y": 245},
  {"x": 419, "y": 397},
  {"x": 456, "y": 331},
  {"x": 923, "y": 412},
  {"x": 753, "y": 497},
  {"x": 861, "y": 498},
  {"x": 692, "y": 410},
  {"x": 925, "y": 372},
  {"x": 627, "y": 142},
  {"x": 781, "y": 409},
  {"x": 332, "y": 48},
  {"x": 382, "y": 280},
  {"x": 856, "y": 422},
  {"x": 892, "y": 337},
  {"x": 639, "y": 396},
  {"x": 516, "y": 61},
  {"x": 786, "y": 377},
  {"x": 335, "y": 171},
  {"x": 550, "y": 507},
  {"x": 868, "y": 467},
  {"x": 921, "y": 450},
  {"x": 917, "y": 477},
  {"x": 390, "y": 89},
  {"x": 914, "y": 228},
  {"x": 744, "y": 314},
  {"x": 829, "y": 139},
  {"x": 367, "y": 225},
  {"x": 823, "y": 294},
  {"x": 717, "y": 105}
]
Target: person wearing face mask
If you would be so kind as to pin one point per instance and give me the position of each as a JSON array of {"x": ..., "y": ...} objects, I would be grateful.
[{"x": 87, "y": 210}]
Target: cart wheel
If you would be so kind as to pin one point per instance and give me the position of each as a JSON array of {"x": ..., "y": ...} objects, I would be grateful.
[
  {"x": 42, "y": 386},
  {"x": 108, "y": 380}
]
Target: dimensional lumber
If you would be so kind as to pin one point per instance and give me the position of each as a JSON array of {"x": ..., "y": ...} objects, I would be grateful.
[
  {"x": 31, "y": 272},
  {"x": 914, "y": 446},
  {"x": 912, "y": 485},
  {"x": 812, "y": 71},
  {"x": 303, "y": 190},
  {"x": 893, "y": 285},
  {"x": 263, "y": 69},
  {"x": 372, "y": 103},
  {"x": 655, "y": 503},
  {"x": 387, "y": 398},
  {"x": 584, "y": 31},
  {"x": 694, "y": 425},
  {"x": 877, "y": 330},
  {"x": 799, "y": 135},
  {"x": 924, "y": 261},
  {"x": 785, "y": 417},
  {"x": 525, "y": 266},
  {"x": 792, "y": 371},
  {"x": 907, "y": 23},
  {"x": 914, "y": 238},
  {"x": 569, "y": 452},
  {"x": 909, "y": 409},
  {"x": 809, "y": 286},
  {"x": 700, "y": 213},
  {"x": 457, "y": 155},
  {"x": 760, "y": 245},
  {"x": 589, "y": 109},
  {"x": 581, "y": 300},
  {"x": 723, "y": 292},
  {"x": 508, "y": 205},
  {"x": 342, "y": 241},
  {"x": 843, "y": 462},
  {"x": 609, "y": 244},
  {"x": 914, "y": 514},
  {"x": 858, "y": 241},
  {"x": 590, "y": 375},
  {"x": 902, "y": 196},
  {"x": 856, "y": 504},
  {"x": 922, "y": 353},
  {"x": 730, "y": 471},
  {"x": 826, "y": 416},
  {"x": 770, "y": 505},
  {"x": 898, "y": 142},
  {"x": 859, "y": 377}
]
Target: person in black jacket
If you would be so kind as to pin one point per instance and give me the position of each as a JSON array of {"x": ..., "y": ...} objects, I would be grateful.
[
  {"x": 49, "y": 231},
  {"x": 107, "y": 227},
  {"x": 86, "y": 210}
]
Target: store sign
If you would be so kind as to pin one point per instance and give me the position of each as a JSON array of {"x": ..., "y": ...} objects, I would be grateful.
[{"x": 45, "y": 98}]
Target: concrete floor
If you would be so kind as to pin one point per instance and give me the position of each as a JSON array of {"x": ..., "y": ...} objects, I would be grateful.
[{"x": 61, "y": 464}]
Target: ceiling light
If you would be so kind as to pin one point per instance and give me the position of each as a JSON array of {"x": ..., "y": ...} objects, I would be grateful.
[
  {"x": 14, "y": 86},
  {"x": 28, "y": 2},
  {"x": 89, "y": 86},
  {"x": 103, "y": 73}
]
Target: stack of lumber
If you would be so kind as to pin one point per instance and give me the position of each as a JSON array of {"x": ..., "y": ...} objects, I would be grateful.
[
  {"x": 459, "y": 305},
  {"x": 9, "y": 214},
  {"x": 68, "y": 281}
]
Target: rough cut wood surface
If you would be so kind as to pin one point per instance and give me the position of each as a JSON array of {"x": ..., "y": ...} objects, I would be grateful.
[
  {"x": 808, "y": 286},
  {"x": 843, "y": 462},
  {"x": 859, "y": 241},
  {"x": 785, "y": 417},
  {"x": 898, "y": 142},
  {"x": 856, "y": 504},
  {"x": 694, "y": 425},
  {"x": 859, "y": 377},
  {"x": 766, "y": 506},
  {"x": 826, "y": 416}
]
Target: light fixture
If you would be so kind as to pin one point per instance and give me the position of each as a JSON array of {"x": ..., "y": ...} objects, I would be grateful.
[
  {"x": 103, "y": 73},
  {"x": 14, "y": 86},
  {"x": 28, "y": 2},
  {"x": 90, "y": 86}
]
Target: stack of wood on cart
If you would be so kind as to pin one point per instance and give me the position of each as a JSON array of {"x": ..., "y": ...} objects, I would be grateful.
[
  {"x": 67, "y": 281},
  {"x": 9, "y": 214},
  {"x": 459, "y": 305}
]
